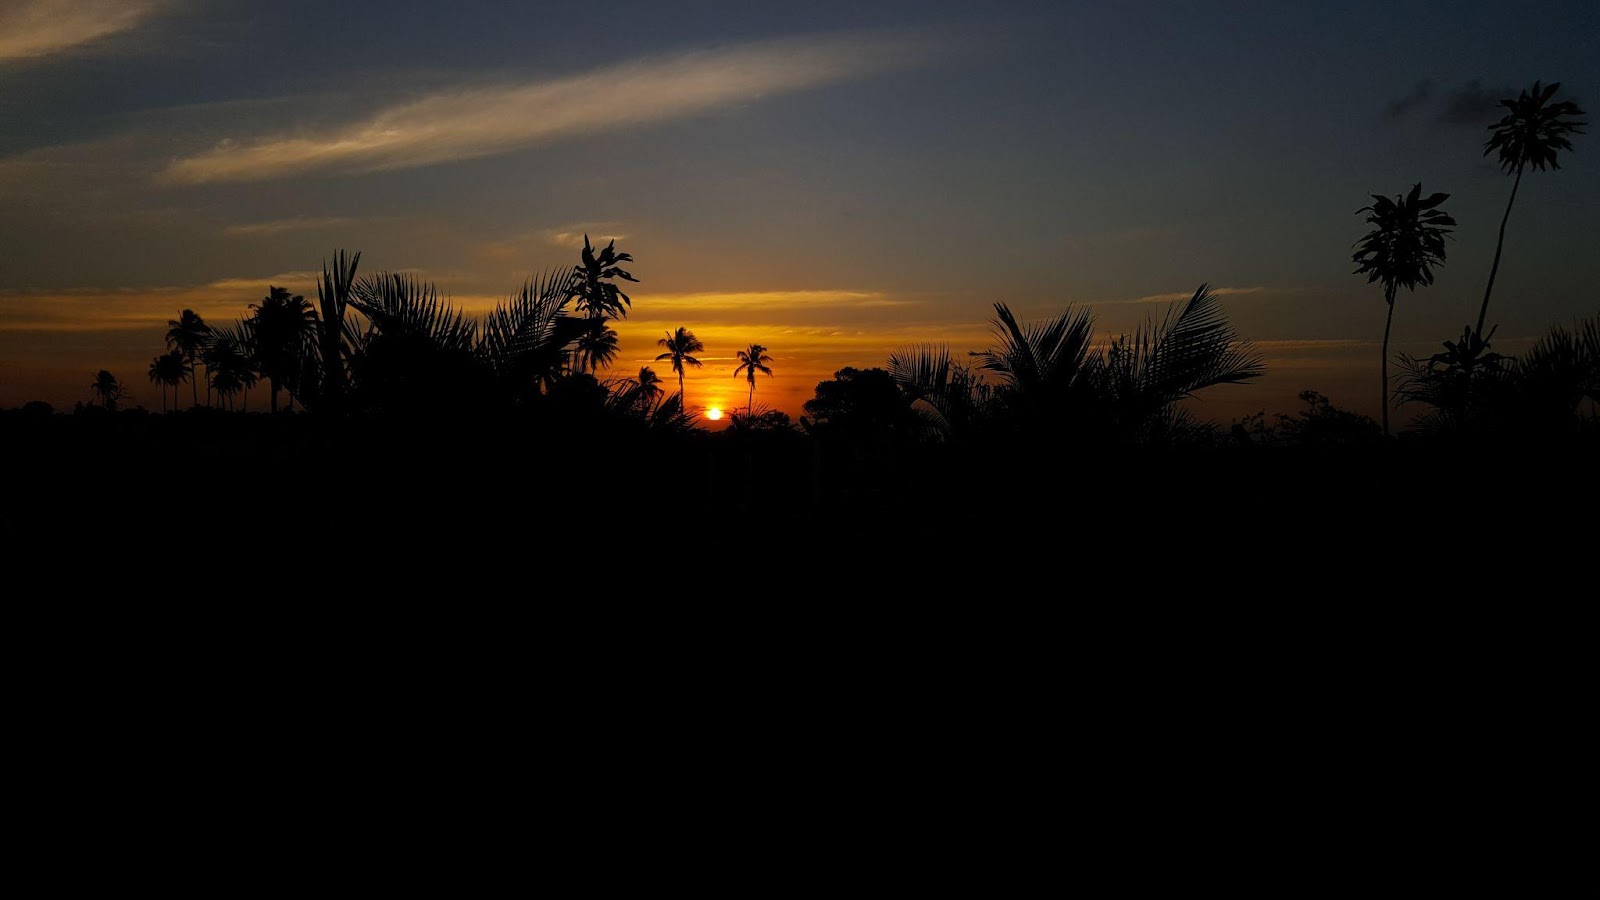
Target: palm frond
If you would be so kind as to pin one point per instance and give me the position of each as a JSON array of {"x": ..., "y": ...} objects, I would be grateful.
[{"x": 399, "y": 304}]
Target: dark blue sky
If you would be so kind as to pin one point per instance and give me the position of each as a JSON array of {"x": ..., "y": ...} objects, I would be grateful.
[{"x": 829, "y": 179}]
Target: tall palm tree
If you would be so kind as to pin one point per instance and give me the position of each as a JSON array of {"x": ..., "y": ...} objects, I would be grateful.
[
  {"x": 679, "y": 345},
  {"x": 649, "y": 386},
  {"x": 750, "y": 362},
  {"x": 1405, "y": 243},
  {"x": 1530, "y": 134},
  {"x": 598, "y": 298},
  {"x": 285, "y": 328},
  {"x": 187, "y": 335},
  {"x": 170, "y": 370},
  {"x": 107, "y": 388}
]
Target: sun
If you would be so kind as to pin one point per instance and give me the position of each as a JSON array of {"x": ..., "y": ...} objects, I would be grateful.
[{"x": 713, "y": 413}]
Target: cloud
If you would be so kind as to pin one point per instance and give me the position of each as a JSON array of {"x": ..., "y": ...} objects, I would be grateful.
[
  {"x": 1402, "y": 105},
  {"x": 1473, "y": 104},
  {"x": 769, "y": 301},
  {"x": 1185, "y": 295},
  {"x": 33, "y": 28},
  {"x": 469, "y": 123},
  {"x": 301, "y": 223}
]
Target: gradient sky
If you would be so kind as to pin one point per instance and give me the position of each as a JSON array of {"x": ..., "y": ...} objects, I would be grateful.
[{"x": 829, "y": 179}]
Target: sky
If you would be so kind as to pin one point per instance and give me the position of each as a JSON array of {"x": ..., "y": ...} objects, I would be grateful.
[{"x": 832, "y": 180}]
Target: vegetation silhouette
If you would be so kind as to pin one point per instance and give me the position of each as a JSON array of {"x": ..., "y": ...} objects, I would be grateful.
[
  {"x": 1405, "y": 244},
  {"x": 107, "y": 389},
  {"x": 1530, "y": 134},
  {"x": 680, "y": 345},
  {"x": 752, "y": 360},
  {"x": 1053, "y": 381},
  {"x": 1049, "y": 437},
  {"x": 186, "y": 336},
  {"x": 169, "y": 370}
]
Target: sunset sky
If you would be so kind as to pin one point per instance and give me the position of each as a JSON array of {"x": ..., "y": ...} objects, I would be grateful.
[{"x": 829, "y": 179}]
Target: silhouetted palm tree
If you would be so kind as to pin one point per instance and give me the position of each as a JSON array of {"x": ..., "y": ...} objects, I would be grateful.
[
  {"x": 680, "y": 345},
  {"x": 187, "y": 335},
  {"x": 107, "y": 388},
  {"x": 599, "y": 299},
  {"x": 752, "y": 361},
  {"x": 170, "y": 370},
  {"x": 1040, "y": 365},
  {"x": 230, "y": 358},
  {"x": 1406, "y": 242},
  {"x": 948, "y": 397},
  {"x": 285, "y": 329},
  {"x": 1530, "y": 134},
  {"x": 522, "y": 342},
  {"x": 1139, "y": 380},
  {"x": 596, "y": 346},
  {"x": 333, "y": 295}
]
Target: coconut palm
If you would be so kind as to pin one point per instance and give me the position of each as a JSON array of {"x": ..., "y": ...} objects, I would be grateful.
[
  {"x": 187, "y": 335},
  {"x": 1528, "y": 135},
  {"x": 170, "y": 370},
  {"x": 598, "y": 298},
  {"x": 752, "y": 361},
  {"x": 679, "y": 345},
  {"x": 1405, "y": 243},
  {"x": 107, "y": 388},
  {"x": 1139, "y": 380},
  {"x": 285, "y": 328},
  {"x": 230, "y": 358}
]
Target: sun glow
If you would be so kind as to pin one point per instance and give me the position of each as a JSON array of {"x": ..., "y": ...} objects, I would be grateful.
[{"x": 713, "y": 414}]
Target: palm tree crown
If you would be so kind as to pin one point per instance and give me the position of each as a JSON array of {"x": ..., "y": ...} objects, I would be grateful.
[
  {"x": 169, "y": 370},
  {"x": 1529, "y": 135},
  {"x": 752, "y": 361},
  {"x": 680, "y": 345},
  {"x": 1405, "y": 244},
  {"x": 187, "y": 335}
]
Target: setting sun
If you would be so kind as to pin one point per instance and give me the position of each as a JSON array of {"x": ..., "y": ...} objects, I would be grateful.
[{"x": 713, "y": 414}]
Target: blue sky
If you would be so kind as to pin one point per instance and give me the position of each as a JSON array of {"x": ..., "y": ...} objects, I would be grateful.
[{"x": 831, "y": 180}]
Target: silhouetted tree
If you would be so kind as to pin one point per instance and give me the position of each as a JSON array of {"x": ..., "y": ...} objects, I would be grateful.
[
  {"x": 416, "y": 351},
  {"x": 752, "y": 361},
  {"x": 285, "y": 328},
  {"x": 523, "y": 341},
  {"x": 187, "y": 335},
  {"x": 680, "y": 346},
  {"x": 948, "y": 397},
  {"x": 862, "y": 405},
  {"x": 1051, "y": 379},
  {"x": 1139, "y": 380},
  {"x": 107, "y": 388},
  {"x": 230, "y": 358},
  {"x": 599, "y": 299},
  {"x": 1530, "y": 134},
  {"x": 170, "y": 370},
  {"x": 1405, "y": 243},
  {"x": 333, "y": 295}
]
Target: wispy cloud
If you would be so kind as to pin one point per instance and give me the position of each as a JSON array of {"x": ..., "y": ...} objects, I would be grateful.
[
  {"x": 767, "y": 302},
  {"x": 1474, "y": 104},
  {"x": 484, "y": 121},
  {"x": 31, "y": 28},
  {"x": 1184, "y": 295},
  {"x": 1419, "y": 95},
  {"x": 301, "y": 223}
]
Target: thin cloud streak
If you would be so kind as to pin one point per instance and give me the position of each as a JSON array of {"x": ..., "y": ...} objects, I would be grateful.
[
  {"x": 465, "y": 124},
  {"x": 34, "y": 28},
  {"x": 301, "y": 223},
  {"x": 1185, "y": 295}
]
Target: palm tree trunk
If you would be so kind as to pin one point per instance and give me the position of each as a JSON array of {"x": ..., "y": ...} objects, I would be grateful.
[
  {"x": 749, "y": 405},
  {"x": 682, "y": 403},
  {"x": 194, "y": 389},
  {"x": 1498, "y": 246},
  {"x": 1386, "y": 323}
]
